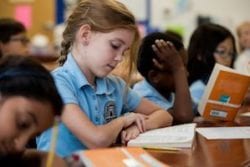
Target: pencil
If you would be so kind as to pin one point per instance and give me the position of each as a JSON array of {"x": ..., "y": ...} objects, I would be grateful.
[
  {"x": 54, "y": 135},
  {"x": 162, "y": 149}
]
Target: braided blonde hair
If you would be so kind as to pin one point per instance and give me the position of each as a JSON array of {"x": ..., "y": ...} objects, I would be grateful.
[{"x": 102, "y": 16}]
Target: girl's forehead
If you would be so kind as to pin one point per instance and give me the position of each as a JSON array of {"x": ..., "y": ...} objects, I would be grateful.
[{"x": 125, "y": 36}]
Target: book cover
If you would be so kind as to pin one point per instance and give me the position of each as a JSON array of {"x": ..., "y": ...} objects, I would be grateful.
[
  {"x": 224, "y": 94},
  {"x": 178, "y": 136},
  {"x": 119, "y": 157}
]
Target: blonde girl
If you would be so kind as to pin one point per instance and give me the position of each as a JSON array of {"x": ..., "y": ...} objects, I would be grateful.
[{"x": 99, "y": 106}]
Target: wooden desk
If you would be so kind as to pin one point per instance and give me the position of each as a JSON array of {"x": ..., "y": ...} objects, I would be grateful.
[{"x": 210, "y": 153}]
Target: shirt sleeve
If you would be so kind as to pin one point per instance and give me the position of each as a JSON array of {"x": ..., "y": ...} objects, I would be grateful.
[
  {"x": 66, "y": 88},
  {"x": 196, "y": 91}
]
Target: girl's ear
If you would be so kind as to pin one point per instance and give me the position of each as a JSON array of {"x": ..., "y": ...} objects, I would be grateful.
[
  {"x": 153, "y": 76},
  {"x": 84, "y": 34}
]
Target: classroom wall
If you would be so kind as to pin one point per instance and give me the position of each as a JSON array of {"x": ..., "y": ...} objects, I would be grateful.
[
  {"x": 161, "y": 14},
  {"x": 42, "y": 14},
  {"x": 182, "y": 14}
]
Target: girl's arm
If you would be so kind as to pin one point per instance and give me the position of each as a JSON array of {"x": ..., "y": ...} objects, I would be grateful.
[
  {"x": 157, "y": 117},
  {"x": 182, "y": 110},
  {"x": 97, "y": 136}
]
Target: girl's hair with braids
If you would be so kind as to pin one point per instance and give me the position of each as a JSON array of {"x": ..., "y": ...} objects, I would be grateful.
[{"x": 102, "y": 16}]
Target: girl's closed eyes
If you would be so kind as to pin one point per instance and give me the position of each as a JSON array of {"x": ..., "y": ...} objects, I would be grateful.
[
  {"x": 115, "y": 45},
  {"x": 119, "y": 45},
  {"x": 24, "y": 122}
]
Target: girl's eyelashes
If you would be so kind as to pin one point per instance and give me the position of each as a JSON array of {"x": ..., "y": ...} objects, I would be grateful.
[
  {"x": 115, "y": 45},
  {"x": 23, "y": 123}
]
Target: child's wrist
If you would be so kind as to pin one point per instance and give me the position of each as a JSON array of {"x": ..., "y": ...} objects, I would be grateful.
[
  {"x": 179, "y": 69},
  {"x": 180, "y": 72}
]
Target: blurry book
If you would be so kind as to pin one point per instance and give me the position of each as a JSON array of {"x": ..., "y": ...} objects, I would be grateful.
[
  {"x": 168, "y": 138},
  {"x": 242, "y": 132},
  {"x": 116, "y": 156},
  {"x": 224, "y": 93}
]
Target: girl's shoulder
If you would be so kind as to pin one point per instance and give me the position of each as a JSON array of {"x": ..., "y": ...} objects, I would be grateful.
[{"x": 115, "y": 79}]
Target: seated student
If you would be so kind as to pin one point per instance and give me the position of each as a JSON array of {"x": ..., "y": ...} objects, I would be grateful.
[
  {"x": 209, "y": 44},
  {"x": 28, "y": 103},
  {"x": 168, "y": 88},
  {"x": 242, "y": 62},
  {"x": 98, "y": 106},
  {"x": 13, "y": 39}
]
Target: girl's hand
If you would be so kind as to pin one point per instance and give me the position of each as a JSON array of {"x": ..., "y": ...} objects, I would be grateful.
[
  {"x": 129, "y": 133},
  {"x": 138, "y": 119},
  {"x": 168, "y": 58}
]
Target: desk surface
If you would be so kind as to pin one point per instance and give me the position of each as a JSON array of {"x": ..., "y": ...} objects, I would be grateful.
[{"x": 210, "y": 153}]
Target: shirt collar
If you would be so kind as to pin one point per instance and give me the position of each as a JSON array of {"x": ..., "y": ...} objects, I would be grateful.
[
  {"x": 102, "y": 85},
  {"x": 72, "y": 67}
]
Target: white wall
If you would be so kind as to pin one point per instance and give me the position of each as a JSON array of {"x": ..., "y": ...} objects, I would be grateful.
[{"x": 165, "y": 13}]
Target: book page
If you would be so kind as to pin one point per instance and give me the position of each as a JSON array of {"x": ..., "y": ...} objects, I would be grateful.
[
  {"x": 246, "y": 114},
  {"x": 225, "y": 132},
  {"x": 173, "y": 136}
]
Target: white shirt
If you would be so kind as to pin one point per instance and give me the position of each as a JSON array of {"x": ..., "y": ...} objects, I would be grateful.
[{"x": 242, "y": 63}]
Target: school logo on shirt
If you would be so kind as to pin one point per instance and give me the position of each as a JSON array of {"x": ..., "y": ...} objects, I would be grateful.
[{"x": 109, "y": 111}]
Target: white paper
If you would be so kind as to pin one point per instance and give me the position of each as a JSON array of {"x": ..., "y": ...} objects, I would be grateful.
[
  {"x": 173, "y": 136},
  {"x": 246, "y": 114},
  {"x": 225, "y": 132}
]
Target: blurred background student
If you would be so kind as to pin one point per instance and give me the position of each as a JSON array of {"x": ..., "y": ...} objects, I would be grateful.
[
  {"x": 242, "y": 62},
  {"x": 209, "y": 44},
  {"x": 13, "y": 39},
  {"x": 28, "y": 103}
]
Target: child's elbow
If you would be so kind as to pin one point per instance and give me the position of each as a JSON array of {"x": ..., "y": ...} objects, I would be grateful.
[
  {"x": 171, "y": 120},
  {"x": 184, "y": 118},
  {"x": 99, "y": 141}
]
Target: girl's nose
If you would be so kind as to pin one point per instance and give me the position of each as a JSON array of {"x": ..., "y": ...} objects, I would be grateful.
[
  {"x": 20, "y": 143},
  {"x": 119, "y": 57}
]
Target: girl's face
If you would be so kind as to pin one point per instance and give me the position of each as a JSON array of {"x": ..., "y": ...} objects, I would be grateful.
[
  {"x": 21, "y": 119},
  {"x": 105, "y": 50},
  {"x": 18, "y": 44},
  {"x": 244, "y": 37},
  {"x": 224, "y": 52}
]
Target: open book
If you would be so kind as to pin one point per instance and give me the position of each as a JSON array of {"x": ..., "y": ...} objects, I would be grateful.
[
  {"x": 118, "y": 157},
  {"x": 224, "y": 93},
  {"x": 178, "y": 136}
]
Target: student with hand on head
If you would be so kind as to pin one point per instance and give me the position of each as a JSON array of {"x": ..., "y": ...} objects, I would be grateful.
[
  {"x": 98, "y": 106},
  {"x": 28, "y": 103},
  {"x": 209, "y": 44},
  {"x": 13, "y": 39},
  {"x": 242, "y": 63},
  {"x": 169, "y": 87}
]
